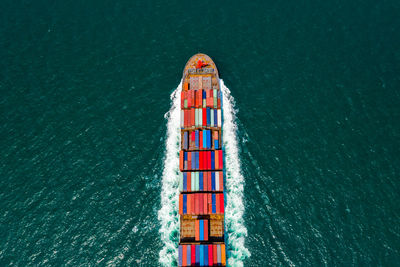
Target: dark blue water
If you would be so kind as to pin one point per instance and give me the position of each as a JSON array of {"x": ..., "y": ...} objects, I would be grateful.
[{"x": 84, "y": 89}]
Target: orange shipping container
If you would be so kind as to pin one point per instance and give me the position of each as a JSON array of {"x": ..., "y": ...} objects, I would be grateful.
[
  {"x": 180, "y": 204},
  {"x": 215, "y": 255},
  {"x": 223, "y": 259},
  {"x": 181, "y": 160},
  {"x": 216, "y": 161},
  {"x": 184, "y": 254},
  {"x": 185, "y": 86},
  {"x": 201, "y": 202},
  {"x": 197, "y": 230},
  {"x": 196, "y": 204},
  {"x": 221, "y": 181}
]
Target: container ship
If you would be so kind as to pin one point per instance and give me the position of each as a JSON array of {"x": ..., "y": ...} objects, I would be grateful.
[{"x": 201, "y": 185}]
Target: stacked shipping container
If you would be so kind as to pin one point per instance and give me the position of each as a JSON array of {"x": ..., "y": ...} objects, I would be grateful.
[
  {"x": 202, "y": 255},
  {"x": 201, "y": 183}
]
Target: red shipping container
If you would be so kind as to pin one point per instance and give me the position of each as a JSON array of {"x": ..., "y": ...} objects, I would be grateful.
[
  {"x": 189, "y": 165},
  {"x": 209, "y": 160},
  {"x": 193, "y": 252},
  {"x": 209, "y": 182},
  {"x": 187, "y": 117},
  {"x": 181, "y": 160},
  {"x": 207, "y": 98},
  {"x": 205, "y": 182},
  {"x": 196, "y": 203},
  {"x": 204, "y": 158},
  {"x": 206, "y": 230},
  {"x": 192, "y": 204},
  {"x": 200, "y": 160},
  {"x": 210, "y": 255},
  {"x": 211, "y": 99},
  {"x": 209, "y": 203},
  {"x": 189, "y": 181},
  {"x": 205, "y": 203},
  {"x": 198, "y": 98},
  {"x": 180, "y": 204},
  {"x": 221, "y": 206},
  {"x": 217, "y": 203},
  {"x": 201, "y": 202},
  {"x": 189, "y": 99},
  {"x": 194, "y": 98},
  {"x": 193, "y": 119},
  {"x": 204, "y": 116},
  {"x": 219, "y": 103},
  {"x": 196, "y": 93},
  {"x": 221, "y": 159},
  {"x": 182, "y": 98},
  {"x": 221, "y": 181},
  {"x": 215, "y": 255}
]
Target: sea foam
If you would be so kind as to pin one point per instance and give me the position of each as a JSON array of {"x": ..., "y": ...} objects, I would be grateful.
[
  {"x": 168, "y": 213},
  {"x": 234, "y": 183}
]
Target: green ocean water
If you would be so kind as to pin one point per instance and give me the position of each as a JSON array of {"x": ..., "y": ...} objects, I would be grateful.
[{"x": 84, "y": 89}]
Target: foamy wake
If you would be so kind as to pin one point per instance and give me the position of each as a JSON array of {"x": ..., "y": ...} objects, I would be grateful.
[
  {"x": 168, "y": 214},
  {"x": 234, "y": 183}
]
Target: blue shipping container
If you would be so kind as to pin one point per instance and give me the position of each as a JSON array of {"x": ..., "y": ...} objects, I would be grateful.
[
  {"x": 197, "y": 138},
  {"x": 209, "y": 137},
  {"x": 214, "y": 207},
  {"x": 206, "y": 255},
  {"x": 197, "y": 160},
  {"x": 189, "y": 255},
  {"x": 201, "y": 184},
  {"x": 208, "y": 116},
  {"x": 204, "y": 138},
  {"x": 184, "y": 203},
  {"x": 201, "y": 255},
  {"x": 212, "y": 160},
  {"x": 184, "y": 181},
  {"x": 201, "y": 226},
  {"x": 185, "y": 140},
  {"x": 180, "y": 255},
  {"x": 197, "y": 254}
]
